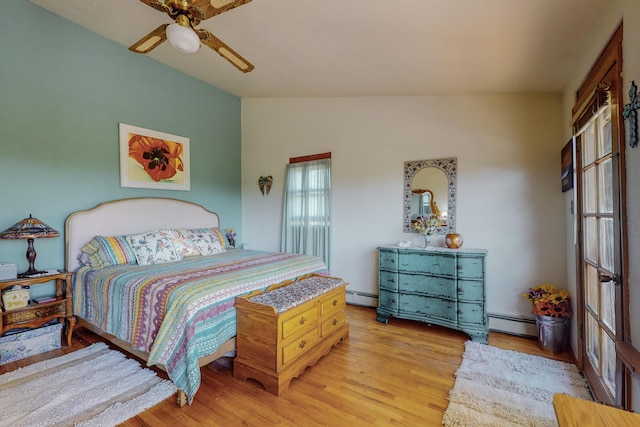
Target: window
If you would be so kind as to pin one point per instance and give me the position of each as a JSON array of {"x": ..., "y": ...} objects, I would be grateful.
[{"x": 306, "y": 222}]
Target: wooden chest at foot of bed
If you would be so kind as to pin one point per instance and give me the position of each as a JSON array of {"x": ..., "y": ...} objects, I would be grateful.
[{"x": 287, "y": 328}]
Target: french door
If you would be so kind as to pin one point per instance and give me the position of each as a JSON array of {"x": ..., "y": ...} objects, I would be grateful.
[{"x": 599, "y": 201}]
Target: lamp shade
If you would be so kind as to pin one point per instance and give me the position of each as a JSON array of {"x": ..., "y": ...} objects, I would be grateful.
[
  {"x": 29, "y": 228},
  {"x": 183, "y": 38}
]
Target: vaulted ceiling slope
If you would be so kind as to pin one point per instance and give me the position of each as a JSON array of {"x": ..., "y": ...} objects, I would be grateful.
[{"x": 315, "y": 48}]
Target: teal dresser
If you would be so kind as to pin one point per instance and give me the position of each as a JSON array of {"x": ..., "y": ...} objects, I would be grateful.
[{"x": 440, "y": 286}]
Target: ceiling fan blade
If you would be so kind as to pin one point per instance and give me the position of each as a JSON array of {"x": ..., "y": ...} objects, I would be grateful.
[
  {"x": 150, "y": 41},
  {"x": 225, "y": 51},
  {"x": 157, "y": 5},
  {"x": 208, "y": 8}
]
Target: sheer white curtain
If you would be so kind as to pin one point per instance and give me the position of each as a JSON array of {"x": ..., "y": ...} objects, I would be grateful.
[{"x": 306, "y": 220}]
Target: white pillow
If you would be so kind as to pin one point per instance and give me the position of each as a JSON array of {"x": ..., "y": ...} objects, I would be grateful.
[
  {"x": 154, "y": 247},
  {"x": 207, "y": 242},
  {"x": 183, "y": 244}
]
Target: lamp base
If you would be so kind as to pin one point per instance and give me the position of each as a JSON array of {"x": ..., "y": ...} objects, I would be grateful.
[{"x": 30, "y": 273}]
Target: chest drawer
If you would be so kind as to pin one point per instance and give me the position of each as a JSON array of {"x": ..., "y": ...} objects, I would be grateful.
[
  {"x": 30, "y": 314},
  {"x": 388, "y": 300},
  {"x": 470, "y": 267},
  {"x": 428, "y": 263},
  {"x": 388, "y": 280},
  {"x": 298, "y": 347},
  {"x": 428, "y": 285},
  {"x": 332, "y": 303},
  {"x": 388, "y": 260},
  {"x": 471, "y": 290},
  {"x": 471, "y": 313},
  {"x": 333, "y": 322},
  {"x": 300, "y": 322},
  {"x": 428, "y": 307}
]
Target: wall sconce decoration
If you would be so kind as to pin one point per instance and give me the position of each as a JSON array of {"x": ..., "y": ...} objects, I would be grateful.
[
  {"x": 630, "y": 115},
  {"x": 29, "y": 228},
  {"x": 264, "y": 182}
]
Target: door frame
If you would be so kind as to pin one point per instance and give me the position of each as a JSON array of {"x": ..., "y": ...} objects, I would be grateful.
[{"x": 608, "y": 67}]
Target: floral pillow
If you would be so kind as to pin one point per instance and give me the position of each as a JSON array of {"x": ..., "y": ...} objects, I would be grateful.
[
  {"x": 104, "y": 251},
  {"x": 183, "y": 244},
  {"x": 207, "y": 240},
  {"x": 154, "y": 247}
]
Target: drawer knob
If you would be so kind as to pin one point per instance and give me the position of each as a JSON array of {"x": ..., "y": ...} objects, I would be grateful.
[
  {"x": 302, "y": 320},
  {"x": 393, "y": 301},
  {"x": 335, "y": 322},
  {"x": 335, "y": 302},
  {"x": 303, "y": 343}
]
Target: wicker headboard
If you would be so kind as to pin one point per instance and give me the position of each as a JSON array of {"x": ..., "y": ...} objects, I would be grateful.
[{"x": 129, "y": 216}]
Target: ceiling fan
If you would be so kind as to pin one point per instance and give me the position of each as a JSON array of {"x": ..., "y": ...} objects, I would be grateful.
[{"x": 183, "y": 34}]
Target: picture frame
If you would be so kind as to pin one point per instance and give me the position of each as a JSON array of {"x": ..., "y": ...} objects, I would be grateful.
[
  {"x": 566, "y": 158},
  {"x": 153, "y": 159}
]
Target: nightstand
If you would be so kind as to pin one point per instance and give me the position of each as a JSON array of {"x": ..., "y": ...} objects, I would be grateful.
[{"x": 35, "y": 315}]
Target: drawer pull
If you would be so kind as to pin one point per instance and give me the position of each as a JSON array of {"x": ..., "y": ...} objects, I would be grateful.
[
  {"x": 302, "y": 320},
  {"x": 335, "y": 322},
  {"x": 393, "y": 301},
  {"x": 335, "y": 302},
  {"x": 302, "y": 343}
]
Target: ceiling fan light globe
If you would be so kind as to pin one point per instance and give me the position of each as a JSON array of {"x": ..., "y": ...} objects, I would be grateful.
[{"x": 183, "y": 39}]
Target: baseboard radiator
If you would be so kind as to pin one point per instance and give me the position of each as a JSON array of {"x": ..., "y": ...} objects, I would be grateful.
[
  {"x": 513, "y": 325},
  {"x": 362, "y": 298}
]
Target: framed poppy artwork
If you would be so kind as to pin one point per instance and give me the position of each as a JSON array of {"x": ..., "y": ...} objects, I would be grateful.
[{"x": 152, "y": 159}]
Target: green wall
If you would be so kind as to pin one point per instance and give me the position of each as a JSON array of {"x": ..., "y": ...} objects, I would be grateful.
[{"x": 63, "y": 91}]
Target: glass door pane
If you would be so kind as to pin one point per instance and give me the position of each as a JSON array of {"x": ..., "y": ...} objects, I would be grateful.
[{"x": 598, "y": 248}]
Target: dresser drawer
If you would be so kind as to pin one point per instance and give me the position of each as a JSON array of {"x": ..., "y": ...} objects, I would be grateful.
[
  {"x": 300, "y": 322},
  {"x": 429, "y": 263},
  {"x": 471, "y": 290},
  {"x": 297, "y": 348},
  {"x": 332, "y": 303},
  {"x": 333, "y": 322},
  {"x": 470, "y": 267},
  {"x": 428, "y": 285},
  {"x": 428, "y": 307},
  {"x": 388, "y": 300},
  {"x": 388, "y": 260},
  {"x": 471, "y": 313},
  {"x": 388, "y": 280}
]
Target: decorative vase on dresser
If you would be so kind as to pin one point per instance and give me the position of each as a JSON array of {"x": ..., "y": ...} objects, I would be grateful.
[{"x": 440, "y": 286}]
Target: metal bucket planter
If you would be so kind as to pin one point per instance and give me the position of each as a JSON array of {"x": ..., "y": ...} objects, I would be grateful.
[{"x": 553, "y": 333}]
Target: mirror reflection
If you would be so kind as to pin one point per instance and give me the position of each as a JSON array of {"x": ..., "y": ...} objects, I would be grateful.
[{"x": 430, "y": 190}]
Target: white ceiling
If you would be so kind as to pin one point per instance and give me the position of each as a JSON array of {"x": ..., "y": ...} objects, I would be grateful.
[{"x": 311, "y": 48}]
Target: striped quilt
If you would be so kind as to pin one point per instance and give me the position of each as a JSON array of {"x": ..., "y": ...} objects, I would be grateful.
[{"x": 180, "y": 311}]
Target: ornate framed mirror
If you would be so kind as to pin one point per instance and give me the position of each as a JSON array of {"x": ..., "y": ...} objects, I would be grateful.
[{"x": 430, "y": 188}]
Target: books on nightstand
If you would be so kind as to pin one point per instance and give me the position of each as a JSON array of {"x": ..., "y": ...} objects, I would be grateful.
[{"x": 42, "y": 300}]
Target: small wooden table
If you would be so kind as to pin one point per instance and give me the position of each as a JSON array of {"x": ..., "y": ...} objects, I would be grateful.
[
  {"x": 574, "y": 412},
  {"x": 35, "y": 315}
]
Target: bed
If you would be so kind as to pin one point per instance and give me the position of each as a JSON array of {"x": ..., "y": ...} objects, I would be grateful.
[{"x": 174, "y": 311}]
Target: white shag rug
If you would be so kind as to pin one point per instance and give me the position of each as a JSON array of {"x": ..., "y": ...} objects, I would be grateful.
[
  {"x": 94, "y": 386},
  {"x": 496, "y": 387}
]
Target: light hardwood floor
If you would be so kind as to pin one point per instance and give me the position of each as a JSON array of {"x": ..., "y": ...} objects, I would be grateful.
[{"x": 385, "y": 375}]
